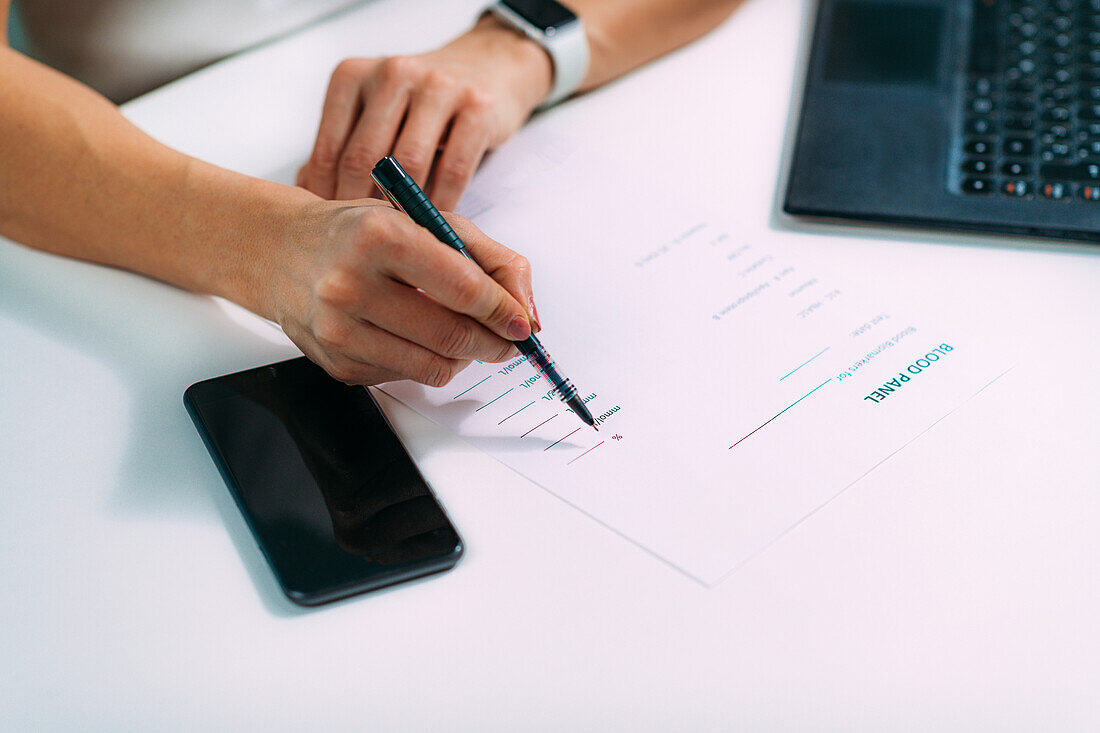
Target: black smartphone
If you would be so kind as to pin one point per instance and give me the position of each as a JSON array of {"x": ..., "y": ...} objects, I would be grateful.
[{"x": 332, "y": 497}]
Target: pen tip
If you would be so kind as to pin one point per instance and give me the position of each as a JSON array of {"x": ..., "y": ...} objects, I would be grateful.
[{"x": 595, "y": 428}]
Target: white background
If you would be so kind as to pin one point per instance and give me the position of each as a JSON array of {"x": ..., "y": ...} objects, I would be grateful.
[{"x": 953, "y": 588}]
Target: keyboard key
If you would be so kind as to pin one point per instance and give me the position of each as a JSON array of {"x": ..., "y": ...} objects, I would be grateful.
[
  {"x": 981, "y": 86},
  {"x": 1018, "y": 146},
  {"x": 1056, "y": 153},
  {"x": 1019, "y": 123},
  {"x": 1016, "y": 169},
  {"x": 1055, "y": 132},
  {"x": 1054, "y": 191},
  {"x": 1083, "y": 172},
  {"x": 1019, "y": 189},
  {"x": 979, "y": 126},
  {"x": 977, "y": 185},
  {"x": 1089, "y": 193},
  {"x": 1057, "y": 96},
  {"x": 1057, "y": 78},
  {"x": 1057, "y": 114},
  {"x": 984, "y": 46},
  {"x": 979, "y": 147},
  {"x": 982, "y": 106},
  {"x": 1062, "y": 24},
  {"x": 978, "y": 167},
  {"x": 1089, "y": 74}
]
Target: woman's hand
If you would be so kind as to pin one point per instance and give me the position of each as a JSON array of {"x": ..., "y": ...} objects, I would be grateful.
[
  {"x": 437, "y": 113},
  {"x": 372, "y": 297}
]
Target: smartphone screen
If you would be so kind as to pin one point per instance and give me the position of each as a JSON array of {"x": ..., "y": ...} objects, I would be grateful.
[{"x": 332, "y": 497}]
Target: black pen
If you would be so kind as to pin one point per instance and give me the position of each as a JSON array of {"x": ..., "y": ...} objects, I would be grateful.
[{"x": 402, "y": 190}]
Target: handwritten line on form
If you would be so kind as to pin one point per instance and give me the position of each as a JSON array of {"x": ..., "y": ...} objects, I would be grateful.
[
  {"x": 803, "y": 364},
  {"x": 462, "y": 393},
  {"x": 559, "y": 440},
  {"x": 539, "y": 425},
  {"x": 582, "y": 455},
  {"x": 516, "y": 412},
  {"x": 494, "y": 399},
  {"x": 787, "y": 408}
]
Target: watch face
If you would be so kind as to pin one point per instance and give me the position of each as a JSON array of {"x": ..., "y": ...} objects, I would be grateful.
[{"x": 543, "y": 14}]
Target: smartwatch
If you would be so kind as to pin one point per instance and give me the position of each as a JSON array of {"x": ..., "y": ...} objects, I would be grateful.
[{"x": 560, "y": 33}]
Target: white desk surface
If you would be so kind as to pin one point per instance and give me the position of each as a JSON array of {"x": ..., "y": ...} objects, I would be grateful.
[{"x": 955, "y": 587}]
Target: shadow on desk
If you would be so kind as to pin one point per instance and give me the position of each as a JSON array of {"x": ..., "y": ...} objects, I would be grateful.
[{"x": 156, "y": 340}]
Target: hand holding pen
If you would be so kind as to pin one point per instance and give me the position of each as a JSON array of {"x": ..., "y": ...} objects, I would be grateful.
[
  {"x": 406, "y": 195},
  {"x": 372, "y": 297}
]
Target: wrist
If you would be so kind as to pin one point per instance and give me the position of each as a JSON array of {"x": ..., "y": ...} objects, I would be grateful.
[
  {"x": 531, "y": 66},
  {"x": 269, "y": 225}
]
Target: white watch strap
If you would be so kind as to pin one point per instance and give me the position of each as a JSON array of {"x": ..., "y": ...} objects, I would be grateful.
[
  {"x": 569, "y": 49},
  {"x": 567, "y": 46}
]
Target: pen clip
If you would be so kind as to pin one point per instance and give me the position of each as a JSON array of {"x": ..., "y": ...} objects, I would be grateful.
[{"x": 389, "y": 194}]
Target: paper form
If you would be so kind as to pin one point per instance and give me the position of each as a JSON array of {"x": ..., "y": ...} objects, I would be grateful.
[{"x": 736, "y": 387}]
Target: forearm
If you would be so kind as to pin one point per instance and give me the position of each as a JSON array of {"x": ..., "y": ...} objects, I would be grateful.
[
  {"x": 78, "y": 179},
  {"x": 624, "y": 34},
  {"x": 361, "y": 289}
]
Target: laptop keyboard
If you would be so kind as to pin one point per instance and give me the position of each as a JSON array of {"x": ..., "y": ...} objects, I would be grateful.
[{"x": 1031, "y": 117}]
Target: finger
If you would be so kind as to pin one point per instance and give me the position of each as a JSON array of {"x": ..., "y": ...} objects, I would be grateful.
[
  {"x": 413, "y": 256},
  {"x": 410, "y": 314},
  {"x": 466, "y": 146},
  {"x": 430, "y": 110},
  {"x": 509, "y": 268},
  {"x": 341, "y": 109},
  {"x": 383, "y": 110},
  {"x": 358, "y": 350}
]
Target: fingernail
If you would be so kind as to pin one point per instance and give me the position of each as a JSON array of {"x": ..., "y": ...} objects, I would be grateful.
[
  {"x": 536, "y": 324},
  {"x": 519, "y": 329}
]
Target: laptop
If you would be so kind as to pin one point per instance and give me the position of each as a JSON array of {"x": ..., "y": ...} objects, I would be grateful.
[{"x": 979, "y": 115}]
